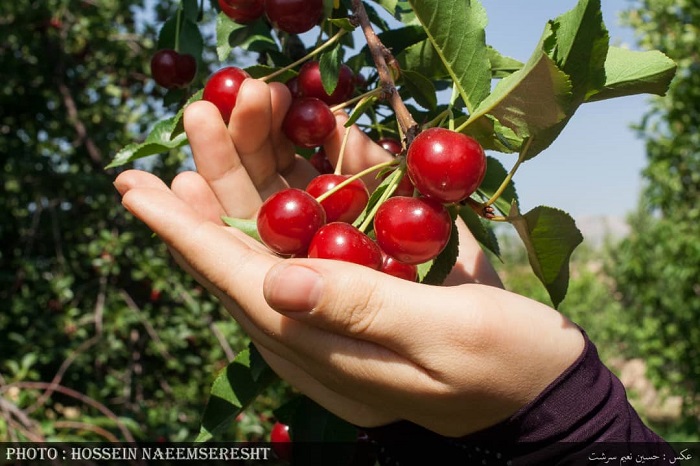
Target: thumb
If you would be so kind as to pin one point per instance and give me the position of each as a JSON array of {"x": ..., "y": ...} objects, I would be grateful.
[{"x": 355, "y": 301}]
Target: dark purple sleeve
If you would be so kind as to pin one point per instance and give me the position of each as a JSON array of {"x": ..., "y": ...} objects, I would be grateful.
[{"x": 583, "y": 413}]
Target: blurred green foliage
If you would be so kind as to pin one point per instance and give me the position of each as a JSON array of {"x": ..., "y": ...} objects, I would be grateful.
[
  {"x": 90, "y": 301},
  {"x": 657, "y": 267}
]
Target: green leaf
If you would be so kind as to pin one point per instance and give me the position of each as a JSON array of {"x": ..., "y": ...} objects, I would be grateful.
[
  {"x": 420, "y": 88},
  {"x": 435, "y": 272},
  {"x": 260, "y": 71},
  {"x": 342, "y": 23},
  {"x": 629, "y": 72},
  {"x": 157, "y": 142},
  {"x": 502, "y": 66},
  {"x": 578, "y": 45},
  {"x": 190, "y": 9},
  {"x": 232, "y": 391},
  {"x": 530, "y": 100},
  {"x": 550, "y": 236},
  {"x": 254, "y": 37},
  {"x": 319, "y": 436},
  {"x": 455, "y": 28},
  {"x": 359, "y": 110},
  {"x": 258, "y": 366},
  {"x": 191, "y": 40},
  {"x": 329, "y": 66},
  {"x": 495, "y": 174},
  {"x": 246, "y": 225},
  {"x": 481, "y": 229},
  {"x": 165, "y": 135}
]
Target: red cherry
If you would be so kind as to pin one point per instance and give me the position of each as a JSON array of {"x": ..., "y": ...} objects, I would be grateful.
[
  {"x": 412, "y": 229},
  {"x": 391, "y": 145},
  {"x": 310, "y": 84},
  {"x": 398, "y": 269},
  {"x": 294, "y": 16},
  {"x": 308, "y": 122},
  {"x": 288, "y": 220},
  {"x": 222, "y": 89},
  {"x": 343, "y": 205},
  {"x": 320, "y": 162},
  {"x": 186, "y": 69},
  {"x": 360, "y": 81},
  {"x": 344, "y": 242},
  {"x": 242, "y": 11},
  {"x": 405, "y": 187},
  {"x": 281, "y": 441},
  {"x": 171, "y": 69},
  {"x": 445, "y": 165},
  {"x": 293, "y": 86}
]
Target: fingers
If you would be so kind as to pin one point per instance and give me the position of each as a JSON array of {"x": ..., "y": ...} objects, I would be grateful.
[
  {"x": 251, "y": 128},
  {"x": 197, "y": 193},
  {"x": 348, "y": 300},
  {"x": 218, "y": 162}
]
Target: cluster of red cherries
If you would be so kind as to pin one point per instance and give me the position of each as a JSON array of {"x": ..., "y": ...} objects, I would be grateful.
[
  {"x": 172, "y": 69},
  {"x": 292, "y": 16},
  {"x": 411, "y": 227}
]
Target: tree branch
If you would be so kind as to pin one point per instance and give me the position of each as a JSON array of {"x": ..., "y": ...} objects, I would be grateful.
[{"x": 385, "y": 63}]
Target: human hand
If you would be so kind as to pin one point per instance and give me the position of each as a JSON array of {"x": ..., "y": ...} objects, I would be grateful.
[{"x": 367, "y": 346}]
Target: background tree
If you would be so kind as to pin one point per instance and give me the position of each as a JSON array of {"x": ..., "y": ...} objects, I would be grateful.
[
  {"x": 102, "y": 337},
  {"x": 657, "y": 268}
]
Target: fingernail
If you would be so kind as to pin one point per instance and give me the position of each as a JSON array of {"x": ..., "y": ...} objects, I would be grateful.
[{"x": 292, "y": 288}]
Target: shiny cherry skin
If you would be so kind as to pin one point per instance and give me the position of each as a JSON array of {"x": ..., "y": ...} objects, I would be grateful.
[
  {"x": 398, "y": 269},
  {"x": 242, "y": 11},
  {"x": 281, "y": 441},
  {"x": 412, "y": 229},
  {"x": 171, "y": 69},
  {"x": 391, "y": 145},
  {"x": 288, "y": 220},
  {"x": 222, "y": 89},
  {"x": 445, "y": 165},
  {"x": 344, "y": 205},
  {"x": 310, "y": 84},
  {"x": 294, "y": 16},
  {"x": 344, "y": 242},
  {"x": 308, "y": 122}
]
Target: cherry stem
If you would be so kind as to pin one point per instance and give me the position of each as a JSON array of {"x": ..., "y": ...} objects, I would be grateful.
[
  {"x": 360, "y": 98},
  {"x": 339, "y": 164},
  {"x": 306, "y": 57},
  {"x": 506, "y": 181},
  {"x": 383, "y": 60},
  {"x": 352, "y": 178},
  {"x": 391, "y": 187},
  {"x": 178, "y": 22}
]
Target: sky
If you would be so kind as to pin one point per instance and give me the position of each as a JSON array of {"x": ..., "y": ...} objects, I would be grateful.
[{"x": 593, "y": 168}]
